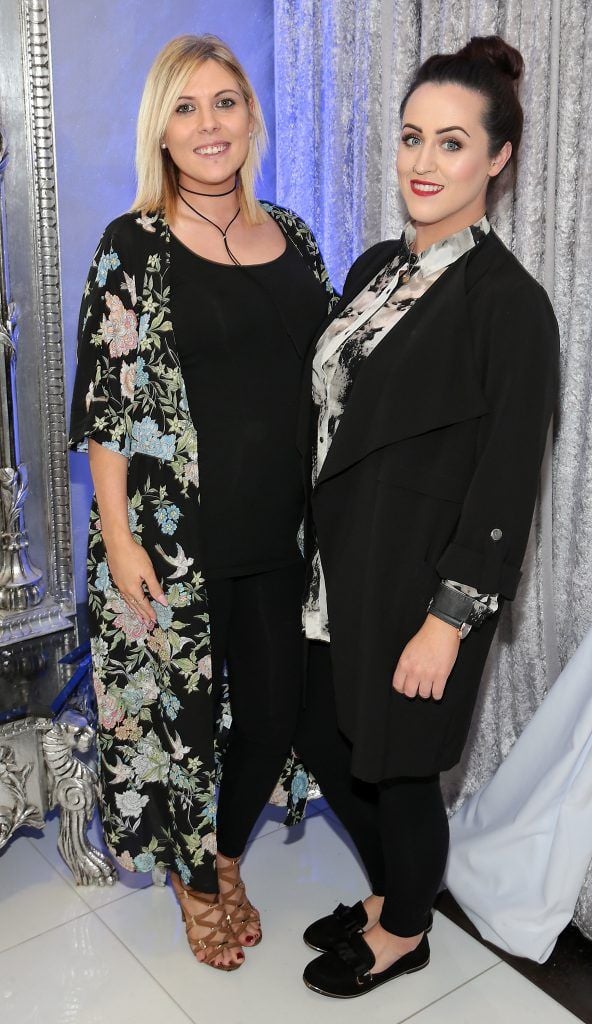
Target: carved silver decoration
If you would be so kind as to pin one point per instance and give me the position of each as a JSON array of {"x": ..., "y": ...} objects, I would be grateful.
[
  {"x": 13, "y": 788},
  {"x": 23, "y": 788},
  {"x": 11, "y": 730},
  {"x": 73, "y": 785},
  {"x": 20, "y": 581},
  {"x": 30, "y": 237}
]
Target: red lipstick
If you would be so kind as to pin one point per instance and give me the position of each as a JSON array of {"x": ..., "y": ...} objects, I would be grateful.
[{"x": 423, "y": 188}]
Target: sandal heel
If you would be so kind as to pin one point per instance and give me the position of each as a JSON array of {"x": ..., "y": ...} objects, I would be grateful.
[
  {"x": 242, "y": 912},
  {"x": 219, "y": 926}
]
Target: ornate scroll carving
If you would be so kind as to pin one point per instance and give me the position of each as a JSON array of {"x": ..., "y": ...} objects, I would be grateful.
[
  {"x": 13, "y": 788},
  {"x": 73, "y": 785}
]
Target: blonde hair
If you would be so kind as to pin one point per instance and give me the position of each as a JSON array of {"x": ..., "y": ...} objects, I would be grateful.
[{"x": 157, "y": 174}]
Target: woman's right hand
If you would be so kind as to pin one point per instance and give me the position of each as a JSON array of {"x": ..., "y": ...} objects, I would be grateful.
[{"x": 132, "y": 573}]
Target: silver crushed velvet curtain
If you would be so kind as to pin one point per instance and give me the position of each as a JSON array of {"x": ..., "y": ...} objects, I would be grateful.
[{"x": 341, "y": 70}]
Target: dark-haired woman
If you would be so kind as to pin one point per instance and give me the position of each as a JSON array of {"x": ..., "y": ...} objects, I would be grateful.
[{"x": 433, "y": 388}]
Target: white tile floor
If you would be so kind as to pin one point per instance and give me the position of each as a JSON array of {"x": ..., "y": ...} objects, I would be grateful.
[{"x": 118, "y": 955}]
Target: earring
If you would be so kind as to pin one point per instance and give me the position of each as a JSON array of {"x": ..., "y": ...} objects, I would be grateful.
[{"x": 163, "y": 145}]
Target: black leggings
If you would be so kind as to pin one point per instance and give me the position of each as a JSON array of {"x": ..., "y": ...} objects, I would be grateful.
[
  {"x": 255, "y": 627},
  {"x": 399, "y": 826}
]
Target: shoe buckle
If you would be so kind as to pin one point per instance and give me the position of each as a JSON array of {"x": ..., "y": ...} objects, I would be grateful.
[{"x": 362, "y": 979}]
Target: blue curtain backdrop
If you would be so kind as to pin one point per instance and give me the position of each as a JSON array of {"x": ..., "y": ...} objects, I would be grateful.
[{"x": 329, "y": 82}]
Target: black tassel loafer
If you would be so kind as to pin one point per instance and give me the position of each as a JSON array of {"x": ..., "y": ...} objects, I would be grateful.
[
  {"x": 343, "y": 922},
  {"x": 345, "y": 972}
]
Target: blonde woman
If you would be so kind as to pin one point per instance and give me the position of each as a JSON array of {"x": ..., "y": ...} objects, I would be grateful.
[{"x": 198, "y": 311}]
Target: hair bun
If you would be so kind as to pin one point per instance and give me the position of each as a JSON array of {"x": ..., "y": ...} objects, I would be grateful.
[{"x": 505, "y": 58}]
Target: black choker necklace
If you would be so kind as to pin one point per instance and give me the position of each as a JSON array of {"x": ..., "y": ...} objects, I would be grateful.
[
  {"x": 223, "y": 231},
  {"x": 210, "y": 195}
]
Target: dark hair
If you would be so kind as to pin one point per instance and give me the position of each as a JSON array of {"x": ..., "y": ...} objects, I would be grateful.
[{"x": 490, "y": 66}]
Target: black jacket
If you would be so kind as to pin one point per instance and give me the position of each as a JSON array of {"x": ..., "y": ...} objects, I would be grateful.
[{"x": 438, "y": 450}]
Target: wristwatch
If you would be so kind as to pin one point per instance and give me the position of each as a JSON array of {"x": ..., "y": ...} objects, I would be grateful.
[{"x": 457, "y": 609}]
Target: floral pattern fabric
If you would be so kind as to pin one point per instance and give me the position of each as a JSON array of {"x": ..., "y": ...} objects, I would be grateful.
[{"x": 162, "y": 721}]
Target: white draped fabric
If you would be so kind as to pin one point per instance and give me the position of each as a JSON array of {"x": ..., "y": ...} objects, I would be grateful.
[
  {"x": 520, "y": 847},
  {"x": 341, "y": 70}
]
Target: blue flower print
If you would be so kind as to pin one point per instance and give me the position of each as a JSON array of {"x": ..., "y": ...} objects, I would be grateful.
[
  {"x": 114, "y": 446},
  {"x": 132, "y": 518},
  {"x": 209, "y": 813},
  {"x": 177, "y": 777},
  {"x": 184, "y": 872},
  {"x": 102, "y": 577},
  {"x": 164, "y": 614},
  {"x": 171, "y": 704},
  {"x": 166, "y": 447},
  {"x": 167, "y": 517},
  {"x": 141, "y": 375},
  {"x": 143, "y": 327},
  {"x": 145, "y": 432},
  {"x": 145, "y": 862},
  {"x": 132, "y": 699},
  {"x": 177, "y": 596},
  {"x": 146, "y": 438},
  {"x": 108, "y": 261},
  {"x": 299, "y": 788}
]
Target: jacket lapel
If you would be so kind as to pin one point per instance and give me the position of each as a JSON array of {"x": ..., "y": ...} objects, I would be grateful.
[{"x": 420, "y": 377}]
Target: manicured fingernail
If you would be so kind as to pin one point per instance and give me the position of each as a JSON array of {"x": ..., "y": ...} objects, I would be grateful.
[{"x": 162, "y": 599}]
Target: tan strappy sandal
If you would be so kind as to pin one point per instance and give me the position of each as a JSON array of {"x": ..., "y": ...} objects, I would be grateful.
[
  {"x": 242, "y": 913},
  {"x": 219, "y": 939}
]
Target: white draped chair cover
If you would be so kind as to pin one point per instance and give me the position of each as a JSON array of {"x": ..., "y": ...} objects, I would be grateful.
[{"x": 521, "y": 846}]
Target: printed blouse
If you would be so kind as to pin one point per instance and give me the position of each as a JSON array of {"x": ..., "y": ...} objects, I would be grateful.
[{"x": 347, "y": 342}]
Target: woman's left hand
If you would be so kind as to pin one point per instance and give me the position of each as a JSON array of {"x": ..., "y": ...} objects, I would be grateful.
[{"x": 427, "y": 660}]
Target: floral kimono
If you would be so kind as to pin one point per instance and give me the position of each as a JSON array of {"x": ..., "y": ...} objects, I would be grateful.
[{"x": 161, "y": 717}]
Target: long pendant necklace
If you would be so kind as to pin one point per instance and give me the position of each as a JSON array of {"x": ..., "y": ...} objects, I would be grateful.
[{"x": 223, "y": 231}]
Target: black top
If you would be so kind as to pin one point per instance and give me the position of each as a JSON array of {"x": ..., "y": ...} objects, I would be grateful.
[{"x": 241, "y": 335}]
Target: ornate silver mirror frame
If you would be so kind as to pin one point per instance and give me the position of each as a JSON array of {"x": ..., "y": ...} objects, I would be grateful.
[{"x": 32, "y": 411}]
